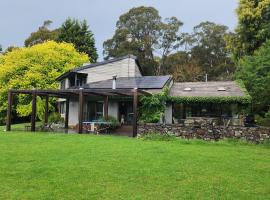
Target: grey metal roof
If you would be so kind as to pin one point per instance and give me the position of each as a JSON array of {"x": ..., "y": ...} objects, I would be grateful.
[
  {"x": 144, "y": 82},
  {"x": 206, "y": 89}
]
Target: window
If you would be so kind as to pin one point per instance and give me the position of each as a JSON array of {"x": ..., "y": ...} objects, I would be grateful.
[
  {"x": 81, "y": 81},
  {"x": 62, "y": 107},
  {"x": 77, "y": 80},
  {"x": 187, "y": 89},
  {"x": 71, "y": 81},
  {"x": 63, "y": 84},
  {"x": 221, "y": 89}
]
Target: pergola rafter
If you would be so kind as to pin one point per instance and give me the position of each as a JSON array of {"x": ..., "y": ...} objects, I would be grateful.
[{"x": 69, "y": 93}]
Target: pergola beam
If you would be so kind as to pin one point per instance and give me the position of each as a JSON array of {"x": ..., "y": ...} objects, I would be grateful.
[
  {"x": 67, "y": 114},
  {"x": 135, "y": 112},
  {"x": 80, "y": 113},
  {"x": 9, "y": 111},
  {"x": 106, "y": 107},
  {"x": 34, "y": 109},
  {"x": 46, "y": 114}
]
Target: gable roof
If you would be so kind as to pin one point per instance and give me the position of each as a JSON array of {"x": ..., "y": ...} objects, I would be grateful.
[
  {"x": 206, "y": 89},
  {"x": 77, "y": 69},
  {"x": 144, "y": 82}
]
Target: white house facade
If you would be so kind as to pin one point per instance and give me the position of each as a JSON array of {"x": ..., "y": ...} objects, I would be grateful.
[{"x": 126, "y": 73}]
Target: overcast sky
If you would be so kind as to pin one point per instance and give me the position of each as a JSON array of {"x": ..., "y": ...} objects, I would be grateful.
[{"x": 18, "y": 18}]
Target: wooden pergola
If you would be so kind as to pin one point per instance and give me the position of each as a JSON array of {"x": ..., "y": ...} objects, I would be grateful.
[{"x": 69, "y": 93}]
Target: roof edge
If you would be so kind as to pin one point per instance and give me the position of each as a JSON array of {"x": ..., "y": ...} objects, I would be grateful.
[{"x": 104, "y": 62}]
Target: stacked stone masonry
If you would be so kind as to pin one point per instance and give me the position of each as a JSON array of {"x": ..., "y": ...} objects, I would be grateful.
[{"x": 207, "y": 130}]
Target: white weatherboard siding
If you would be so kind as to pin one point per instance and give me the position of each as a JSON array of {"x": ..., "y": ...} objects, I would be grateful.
[
  {"x": 73, "y": 112},
  {"x": 122, "y": 68},
  {"x": 113, "y": 109},
  {"x": 168, "y": 114}
]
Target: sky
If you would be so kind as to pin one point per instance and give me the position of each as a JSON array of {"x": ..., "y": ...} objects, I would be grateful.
[{"x": 18, "y": 18}]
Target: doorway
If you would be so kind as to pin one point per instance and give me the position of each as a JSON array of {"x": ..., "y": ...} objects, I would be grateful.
[{"x": 126, "y": 112}]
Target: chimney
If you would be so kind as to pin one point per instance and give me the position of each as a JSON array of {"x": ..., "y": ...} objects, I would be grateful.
[{"x": 114, "y": 83}]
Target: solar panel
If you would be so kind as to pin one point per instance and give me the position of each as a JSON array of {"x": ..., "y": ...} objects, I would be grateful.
[{"x": 145, "y": 82}]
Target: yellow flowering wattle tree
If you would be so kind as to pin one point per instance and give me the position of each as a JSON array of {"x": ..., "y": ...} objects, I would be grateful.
[{"x": 35, "y": 67}]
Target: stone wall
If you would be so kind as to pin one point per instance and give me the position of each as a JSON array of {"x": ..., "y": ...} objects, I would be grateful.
[{"x": 208, "y": 131}]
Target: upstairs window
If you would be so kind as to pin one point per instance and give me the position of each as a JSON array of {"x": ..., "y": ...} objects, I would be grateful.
[
  {"x": 63, "y": 84},
  {"x": 81, "y": 81},
  {"x": 77, "y": 80}
]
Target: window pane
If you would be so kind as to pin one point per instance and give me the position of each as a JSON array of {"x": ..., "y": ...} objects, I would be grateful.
[{"x": 63, "y": 86}]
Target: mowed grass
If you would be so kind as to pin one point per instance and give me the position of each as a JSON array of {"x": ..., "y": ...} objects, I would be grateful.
[{"x": 60, "y": 166}]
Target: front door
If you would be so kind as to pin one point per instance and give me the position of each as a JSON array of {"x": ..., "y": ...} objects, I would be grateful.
[{"x": 125, "y": 112}]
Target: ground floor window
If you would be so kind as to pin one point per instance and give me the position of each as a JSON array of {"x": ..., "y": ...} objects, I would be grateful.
[{"x": 183, "y": 111}]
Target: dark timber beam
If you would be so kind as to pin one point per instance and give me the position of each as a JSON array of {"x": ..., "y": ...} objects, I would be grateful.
[
  {"x": 46, "y": 115},
  {"x": 121, "y": 94},
  {"x": 135, "y": 112},
  {"x": 80, "y": 117},
  {"x": 67, "y": 114},
  {"x": 106, "y": 107},
  {"x": 34, "y": 110},
  {"x": 9, "y": 110}
]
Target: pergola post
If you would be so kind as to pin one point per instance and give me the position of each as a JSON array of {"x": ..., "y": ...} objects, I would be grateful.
[
  {"x": 46, "y": 110},
  {"x": 135, "y": 111},
  {"x": 106, "y": 106},
  {"x": 67, "y": 114},
  {"x": 80, "y": 117},
  {"x": 34, "y": 109},
  {"x": 9, "y": 110}
]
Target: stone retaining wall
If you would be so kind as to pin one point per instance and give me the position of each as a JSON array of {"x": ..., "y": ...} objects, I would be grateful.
[{"x": 208, "y": 131}]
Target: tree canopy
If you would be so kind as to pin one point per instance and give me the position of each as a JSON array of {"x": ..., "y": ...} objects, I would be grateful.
[
  {"x": 207, "y": 47},
  {"x": 42, "y": 34},
  {"x": 71, "y": 31},
  {"x": 78, "y": 33},
  {"x": 253, "y": 27},
  {"x": 255, "y": 72},
  {"x": 35, "y": 67},
  {"x": 141, "y": 32}
]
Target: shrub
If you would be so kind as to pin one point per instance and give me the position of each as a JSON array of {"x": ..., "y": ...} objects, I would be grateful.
[
  {"x": 263, "y": 121},
  {"x": 114, "y": 122},
  {"x": 55, "y": 117}
]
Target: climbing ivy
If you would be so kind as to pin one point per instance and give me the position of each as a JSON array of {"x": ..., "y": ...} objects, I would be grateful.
[
  {"x": 246, "y": 99},
  {"x": 210, "y": 99},
  {"x": 153, "y": 107}
]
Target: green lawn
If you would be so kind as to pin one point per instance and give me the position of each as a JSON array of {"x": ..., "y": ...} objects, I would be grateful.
[
  {"x": 19, "y": 127},
  {"x": 59, "y": 166}
]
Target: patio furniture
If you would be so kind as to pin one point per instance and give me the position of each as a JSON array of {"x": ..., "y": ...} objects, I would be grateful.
[{"x": 97, "y": 127}]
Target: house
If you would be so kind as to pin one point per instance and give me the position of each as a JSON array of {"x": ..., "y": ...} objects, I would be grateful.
[
  {"x": 111, "y": 88},
  {"x": 128, "y": 75},
  {"x": 189, "y": 99}
]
